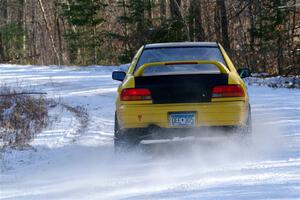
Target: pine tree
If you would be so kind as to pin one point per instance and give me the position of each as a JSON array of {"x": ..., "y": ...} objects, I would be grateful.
[
  {"x": 12, "y": 32},
  {"x": 269, "y": 32},
  {"x": 136, "y": 22},
  {"x": 83, "y": 36}
]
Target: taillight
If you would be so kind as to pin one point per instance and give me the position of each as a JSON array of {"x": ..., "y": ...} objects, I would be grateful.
[
  {"x": 228, "y": 91},
  {"x": 135, "y": 94}
]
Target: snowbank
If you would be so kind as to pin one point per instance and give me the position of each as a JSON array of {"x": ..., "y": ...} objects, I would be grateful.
[{"x": 274, "y": 82}]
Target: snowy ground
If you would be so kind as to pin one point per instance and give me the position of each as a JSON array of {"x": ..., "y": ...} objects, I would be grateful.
[
  {"x": 70, "y": 164},
  {"x": 275, "y": 81}
]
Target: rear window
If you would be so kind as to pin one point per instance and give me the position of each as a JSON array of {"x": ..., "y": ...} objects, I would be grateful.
[{"x": 180, "y": 54}]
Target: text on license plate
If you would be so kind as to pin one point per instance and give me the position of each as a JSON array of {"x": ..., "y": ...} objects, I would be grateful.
[{"x": 185, "y": 119}]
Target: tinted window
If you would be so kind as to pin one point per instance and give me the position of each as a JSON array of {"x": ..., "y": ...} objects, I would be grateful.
[{"x": 181, "y": 54}]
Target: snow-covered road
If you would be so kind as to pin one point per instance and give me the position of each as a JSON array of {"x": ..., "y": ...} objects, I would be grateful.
[{"x": 68, "y": 164}]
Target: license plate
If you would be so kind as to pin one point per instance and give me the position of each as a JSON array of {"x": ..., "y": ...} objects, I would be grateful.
[{"x": 186, "y": 119}]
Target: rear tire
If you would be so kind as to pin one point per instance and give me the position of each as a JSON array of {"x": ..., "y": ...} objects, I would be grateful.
[
  {"x": 247, "y": 129},
  {"x": 123, "y": 140}
]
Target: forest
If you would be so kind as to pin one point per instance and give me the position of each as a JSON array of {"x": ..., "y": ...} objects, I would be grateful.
[{"x": 263, "y": 35}]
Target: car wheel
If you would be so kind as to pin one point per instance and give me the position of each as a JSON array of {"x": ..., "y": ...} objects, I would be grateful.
[
  {"x": 246, "y": 130},
  {"x": 123, "y": 140}
]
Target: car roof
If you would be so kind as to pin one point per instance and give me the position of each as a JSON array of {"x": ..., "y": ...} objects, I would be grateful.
[{"x": 181, "y": 44}]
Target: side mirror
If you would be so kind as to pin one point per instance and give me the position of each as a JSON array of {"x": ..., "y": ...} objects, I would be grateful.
[
  {"x": 244, "y": 72},
  {"x": 118, "y": 75}
]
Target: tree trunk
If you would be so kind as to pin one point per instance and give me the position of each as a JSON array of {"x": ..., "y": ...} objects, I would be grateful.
[
  {"x": 280, "y": 39},
  {"x": 95, "y": 59},
  {"x": 49, "y": 31},
  {"x": 217, "y": 24},
  {"x": 24, "y": 25},
  {"x": 177, "y": 14},
  {"x": 126, "y": 43},
  {"x": 20, "y": 21},
  {"x": 175, "y": 9},
  {"x": 163, "y": 10},
  {"x": 3, "y": 15},
  {"x": 208, "y": 20},
  {"x": 33, "y": 41},
  {"x": 279, "y": 55},
  {"x": 149, "y": 11},
  {"x": 293, "y": 27},
  {"x": 58, "y": 27},
  {"x": 191, "y": 20},
  {"x": 2, "y": 54},
  {"x": 200, "y": 35},
  {"x": 251, "y": 44},
  {"x": 224, "y": 23}
]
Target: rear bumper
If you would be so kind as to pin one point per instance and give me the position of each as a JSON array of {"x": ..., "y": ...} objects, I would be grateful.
[
  {"x": 232, "y": 113},
  {"x": 154, "y": 132}
]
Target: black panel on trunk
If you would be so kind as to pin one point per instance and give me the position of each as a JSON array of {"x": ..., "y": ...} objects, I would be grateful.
[{"x": 191, "y": 88}]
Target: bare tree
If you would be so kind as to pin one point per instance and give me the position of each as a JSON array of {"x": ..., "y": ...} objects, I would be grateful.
[{"x": 49, "y": 31}]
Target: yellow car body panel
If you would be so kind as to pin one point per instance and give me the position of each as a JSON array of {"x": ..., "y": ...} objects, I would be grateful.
[
  {"x": 207, "y": 114},
  {"x": 219, "y": 112}
]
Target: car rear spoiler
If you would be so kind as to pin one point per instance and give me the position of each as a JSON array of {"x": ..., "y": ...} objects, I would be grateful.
[{"x": 223, "y": 69}]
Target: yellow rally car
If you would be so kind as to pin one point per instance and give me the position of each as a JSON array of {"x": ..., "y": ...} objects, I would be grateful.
[{"x": 170, "y": 88}]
